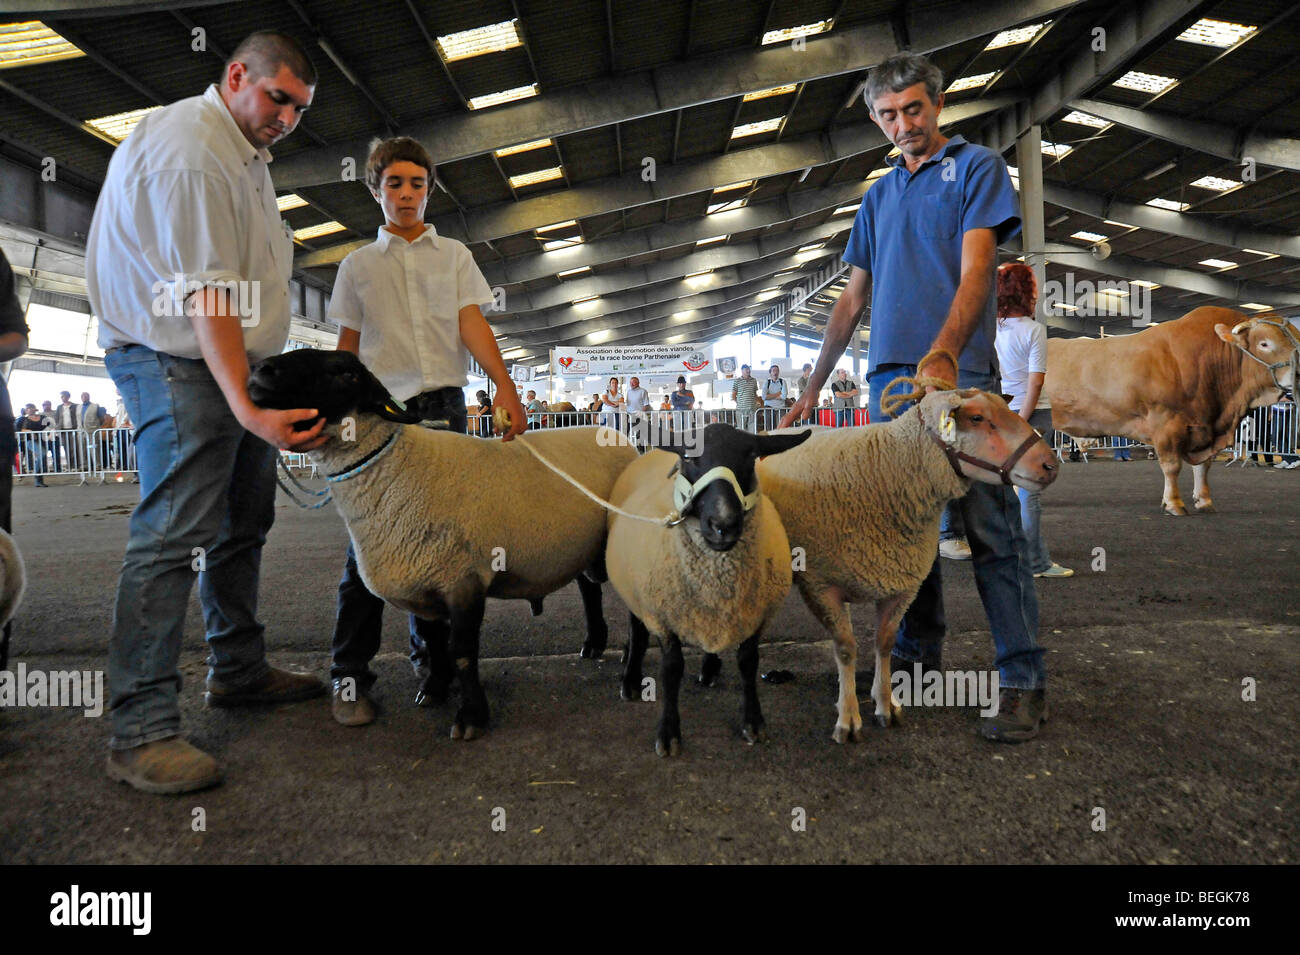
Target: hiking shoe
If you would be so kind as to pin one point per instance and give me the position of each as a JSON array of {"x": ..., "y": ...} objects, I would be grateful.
[
  {"x": 164, "y": 766},
  {"x": 955, "y": 549},
  {"x": 1020, "y": 714},
  {"x": 1056, "y": 570},
  {"x": 350, "y": 705},
  {"x": 278, "y": 686}
]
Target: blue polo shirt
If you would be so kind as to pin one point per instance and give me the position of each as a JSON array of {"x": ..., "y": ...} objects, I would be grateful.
[{"x": 908, "y": 235}]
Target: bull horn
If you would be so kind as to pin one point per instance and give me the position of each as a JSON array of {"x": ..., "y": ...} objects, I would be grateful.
[{"x": 1240, "y": 325}]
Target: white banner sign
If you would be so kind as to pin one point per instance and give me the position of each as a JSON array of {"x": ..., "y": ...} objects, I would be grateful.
[{"x": 632, "y": 359}]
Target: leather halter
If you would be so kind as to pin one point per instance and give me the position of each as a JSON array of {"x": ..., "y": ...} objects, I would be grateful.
[
  {"x": 954, "y": 457},
  {"x": 1294, "y": 361}
]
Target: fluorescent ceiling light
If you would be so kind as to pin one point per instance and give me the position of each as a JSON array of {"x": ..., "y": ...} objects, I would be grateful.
[
  {"x": 1121, "y": 293},
  {"x": 1064, "y": 305},
  {"x": 682, "y": 316},
  {"x": 1266, "y": 255},
  {"x": 316, "y": 231},
  {"x": 514, "y": 353},
  {"x": 1169, "y": 204},
  {"x": 674, "y": 338},
  {"x": 119, "y": 125},
  {"x": 1145, "y": 82},
  {"x": 735, "y": 185},
  {"x": 792, "y": 33},
  {"x": 1058, "y": 150},
  {"x": 764, "y": 94},
  {"x": 505, "y": 96},
  {"x": 1220, "y": 33},
  {"x": 1018, "y": 35},
  {"x": 1218, "y": 263},
  {"x": 489, "y": 39},
  {"x": 597, "y": 337},
  {"x": 1144, "y": 283},
  {"x": 585, "y": 299},
  {"x": 566, "y": 224},
  {"x": 843, "y": 209},
  {"x": 768, "y": 294},
  {"x": 1088, "y": 236},
  {"x": 289, "y": 201},
  {"x": 533, "y": 178},
  {"x": 578, "y": 271},
  {"x": 969, "y": 82},
  {"x": 1122, "y": 225},
  {"x": 1086, "y": 119},
  {"x": 1256, "y": 306},
  {"x": 1214, "y": 183},
  {"x": 711, "y": 240},
  {"x": 878, "y": 172},
  {"x": 812, "y": 247},
  {"x": 695, "y": 275},
  {"x": 521, "y": 148},
  {"x": 551, "y": 245},
  {"x": 726, "y": 206},
  {"x": 754, "y": 129},
  {"x": 31, "y": 42}
]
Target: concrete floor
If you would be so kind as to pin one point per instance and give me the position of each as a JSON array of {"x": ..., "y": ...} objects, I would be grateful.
[{"x": 1146, "y": 662}]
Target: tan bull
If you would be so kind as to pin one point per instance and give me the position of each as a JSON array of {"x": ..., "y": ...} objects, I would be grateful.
[{"x": 1182, "y": 387}]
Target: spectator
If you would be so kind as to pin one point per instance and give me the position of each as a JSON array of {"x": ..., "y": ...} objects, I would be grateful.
[
  {"x": 774, "y": 395},
  {"x": 66, "y": 421},
  {"x": 610, "y": 404},
  {"x": 1022, "y": 356},
  {"x": 30, "y": 427},
  {"x": 534, "y": 409},
  {"x": 845, "y": 392},
  {"x": 744, "y": 392},
  {"x": 483, "y": 413},
  {"x": 802, "y": 385},
  {"x": 638, "y": 401}
]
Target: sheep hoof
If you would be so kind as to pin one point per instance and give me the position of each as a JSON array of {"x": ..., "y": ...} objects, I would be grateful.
[
  {"x": 672, "y": 747},
  {"x": 881, "y": 720},
  {"x": 628, "y": 691},
  {"x": 847, "y": 734},
  {"x": 710, "y": 667},
  {"x": 588, "y": 652},
  {"x": 466, "y": 732},
  {"x": 430, "y": 696},
  {"x": 754, "y": 734},
  {"x": 1171, "y": 511},
  {"x": 1206, "y": 508}
]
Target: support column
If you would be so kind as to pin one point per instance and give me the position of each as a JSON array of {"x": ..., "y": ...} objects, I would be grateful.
[{"x": 1029, "y": 159}]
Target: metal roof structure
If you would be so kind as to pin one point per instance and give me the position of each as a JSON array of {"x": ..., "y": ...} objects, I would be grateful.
[{"x": 670, "y": 176}]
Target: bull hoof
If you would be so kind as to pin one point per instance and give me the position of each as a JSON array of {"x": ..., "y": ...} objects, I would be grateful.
[
  {"x": 880, "y": 720},
  {"x": 1179, "y": 511},
  {"x": 847, "y": 734},
  {"x": 1206, "y": 508}
]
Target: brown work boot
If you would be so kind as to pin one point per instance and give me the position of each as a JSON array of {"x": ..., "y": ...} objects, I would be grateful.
[
  {"x": 1020, "y": 714},
  {"x": 351, "y": 705},
  {"x": 164, "y": 766},
  {"x": 278, "y": 686}
]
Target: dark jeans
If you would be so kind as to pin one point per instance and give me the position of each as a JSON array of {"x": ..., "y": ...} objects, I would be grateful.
[
  {"x": 358, "y": 626},
  {"x": 6, "y": 507}
]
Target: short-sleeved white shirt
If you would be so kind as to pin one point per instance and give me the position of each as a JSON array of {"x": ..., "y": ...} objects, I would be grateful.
[
  {"x": 405, "y": 300},
  {"x": 187, "y": 202},
  {"x": 1022, "y": 349},
  {"x": 637, "y": 399}
]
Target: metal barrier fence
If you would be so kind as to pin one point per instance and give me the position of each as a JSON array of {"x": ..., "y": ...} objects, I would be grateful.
[
  {"x": 1265, "y": 434},
  {"x": 1067, "y": 445},
  {"x": 760, "y": 419},
  {"x": 76, "y": 453}
]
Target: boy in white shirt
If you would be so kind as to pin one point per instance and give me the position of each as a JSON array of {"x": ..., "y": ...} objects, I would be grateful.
[{"x": 409, "y": 305}]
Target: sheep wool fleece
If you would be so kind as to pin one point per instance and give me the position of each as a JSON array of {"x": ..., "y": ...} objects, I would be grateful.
[
  {"x": 443, "y": 513},
  {"x": 675, "y": 583}
]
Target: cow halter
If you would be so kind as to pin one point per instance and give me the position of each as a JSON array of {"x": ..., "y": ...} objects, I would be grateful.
[
  {"x": 1003, "y": 470},
  {"x": 685, "y": 492},
  {"x": 1293, "y": 361}
]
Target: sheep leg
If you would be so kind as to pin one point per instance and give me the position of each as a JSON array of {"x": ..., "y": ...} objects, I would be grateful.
[
  {"x": 436, "y": 685},
  {"x": 710, "y": 667},
  {"x": 637, "y": 642},
  {"x": 668, "y": 740},
  {"x": 829, "y": 608},
  {"x": 472, "y": 717},
  {"x": 889, "y": 613},
  {"x": 597, "y": 633},
  {"x": 752, "y": 724}
]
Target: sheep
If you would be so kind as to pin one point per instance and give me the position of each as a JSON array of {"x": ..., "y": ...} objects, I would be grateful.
[
  {"x": 714, "y": 581},
  {"x": 522, "y": 533},
  {"x": 13, "y": 581},
  {"x": 864, "y": 505}
]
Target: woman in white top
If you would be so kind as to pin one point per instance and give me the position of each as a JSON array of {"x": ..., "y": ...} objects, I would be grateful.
[
  {"x": 1022, "y": 354},
  {"x": 612, "y": 401}
]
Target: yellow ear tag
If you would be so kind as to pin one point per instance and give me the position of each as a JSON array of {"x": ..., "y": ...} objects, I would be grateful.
[{"x": 947, "y": 426}]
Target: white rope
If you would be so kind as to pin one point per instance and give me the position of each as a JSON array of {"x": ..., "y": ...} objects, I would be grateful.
[{"x": 668, "y": 521}]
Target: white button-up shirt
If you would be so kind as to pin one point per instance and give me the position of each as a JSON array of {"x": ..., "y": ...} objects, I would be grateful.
[
  {"x": 188, "y": 202},
  {"x": 405, "y": 300}
]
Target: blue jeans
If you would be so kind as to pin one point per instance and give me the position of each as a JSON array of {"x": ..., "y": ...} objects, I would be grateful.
[
  {"x": 950, "y": 523},
  {"x": 1122, "y": 452},
  {"x": 1031, "y": 507},
  {"x": 207, "y": 501},
  {"x": 991, "y": 514}
]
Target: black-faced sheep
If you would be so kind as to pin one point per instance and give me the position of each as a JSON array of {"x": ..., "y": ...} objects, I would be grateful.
[
  {"x": 715, "y": 578},
  {"x": 428, "y": 549}
]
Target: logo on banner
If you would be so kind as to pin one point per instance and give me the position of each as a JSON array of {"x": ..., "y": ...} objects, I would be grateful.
[
  {"x": 572, "y": 366},
  {"x": 696, "y": 361}
]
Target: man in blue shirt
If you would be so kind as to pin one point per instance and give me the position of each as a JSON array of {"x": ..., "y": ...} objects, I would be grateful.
[{"x": 925, "y": 243}]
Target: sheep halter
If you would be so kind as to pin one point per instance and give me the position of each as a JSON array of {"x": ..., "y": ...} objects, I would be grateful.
[
  {"x": 1003, "y": 470},
  {"x": 685, "y": 493}
]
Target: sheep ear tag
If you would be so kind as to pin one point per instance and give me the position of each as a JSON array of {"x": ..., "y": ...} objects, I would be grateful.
[
  {"x": 394, "y": 410},
  {"x": 947, "y": 426}
]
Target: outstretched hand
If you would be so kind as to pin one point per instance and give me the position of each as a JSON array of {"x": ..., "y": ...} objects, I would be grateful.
[
  {"x": 508, "y": 400},
  {"x": 799, "y": 411}
]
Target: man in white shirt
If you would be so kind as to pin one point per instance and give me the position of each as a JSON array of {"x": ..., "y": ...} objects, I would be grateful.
[{"x": 188, "y": 264}]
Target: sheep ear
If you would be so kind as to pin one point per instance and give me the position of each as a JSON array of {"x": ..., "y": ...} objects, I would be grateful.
[{"x": 765, "y": 444}]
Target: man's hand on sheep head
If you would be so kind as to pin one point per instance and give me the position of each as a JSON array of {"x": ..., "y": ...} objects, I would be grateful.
[
  {"x": 508, "y": 400},
  {"x": 938, "y": 367},
  {"x": 276, "y": 427}
]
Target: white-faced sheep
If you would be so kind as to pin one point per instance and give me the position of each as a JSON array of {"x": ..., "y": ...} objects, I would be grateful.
[
  {"x": 13, "y": 581},
  {"x": 713, "y": 579},
  {"x": 429, "y": 548},
  {"x": 864, "y": 505}
]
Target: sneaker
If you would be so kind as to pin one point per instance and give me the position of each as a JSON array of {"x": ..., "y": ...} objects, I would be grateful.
[
  {"x": 955, "y": 549},
  {"x": 1294, "y": 464},
  {"x": 1020, "y": 714},
  {"x": 350, "y": 705},
  {"x": 1282, "y": 466},
  {"x": 164, "y": 766},
  {"x": 278, "y": 686},
  {"x": 1056, "y": 570}
]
